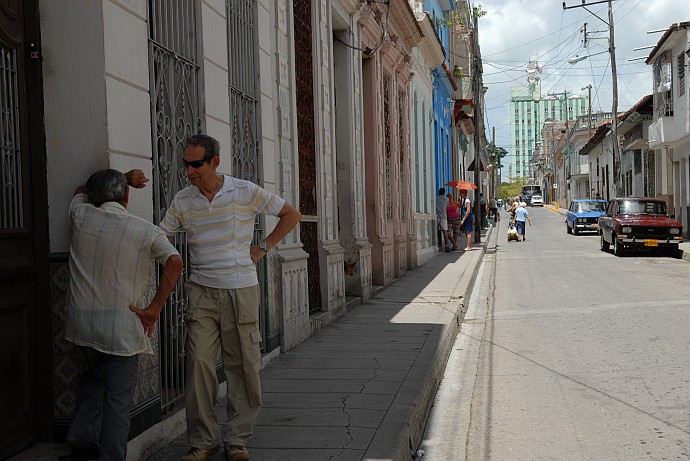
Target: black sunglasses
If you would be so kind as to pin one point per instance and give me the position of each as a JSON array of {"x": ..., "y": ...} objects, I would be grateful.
[{"x": 195, "y": 163}]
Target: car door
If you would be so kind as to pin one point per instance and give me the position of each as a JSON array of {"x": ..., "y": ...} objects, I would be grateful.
[
  {"x": 608, "y": 223},
  {"x": 569, "y": 216}
]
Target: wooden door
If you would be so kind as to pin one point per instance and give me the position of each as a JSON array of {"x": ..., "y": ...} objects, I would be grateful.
[{"x": 24, "y": 303}]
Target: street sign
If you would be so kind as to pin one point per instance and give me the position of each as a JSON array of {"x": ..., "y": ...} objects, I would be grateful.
[
  {"x": 555, "y": 186},
  {"x": 484, "y": 182}
]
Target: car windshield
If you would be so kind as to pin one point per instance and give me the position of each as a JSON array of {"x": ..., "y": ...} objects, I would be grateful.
[
  {"x": 643, "y": 207},
  {"x": 583, "y": 207}
]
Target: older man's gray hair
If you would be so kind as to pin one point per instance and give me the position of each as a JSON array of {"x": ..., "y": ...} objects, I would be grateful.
[
  {"x": 210, "y": 144},
  {"x": 106, "y": 186}
]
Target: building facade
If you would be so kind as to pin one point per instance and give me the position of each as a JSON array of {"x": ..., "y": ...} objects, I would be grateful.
[
  {"x": 529, "y": 109},
  {"x": 428, "y": 55},
  {"x": 334, "y": 105},
  {"x": 668, "y": 133}
]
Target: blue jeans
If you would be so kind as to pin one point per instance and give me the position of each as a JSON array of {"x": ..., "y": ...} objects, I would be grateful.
[
  {"x": 104, "y": 401},
  {"x": 520, "y": 227}
]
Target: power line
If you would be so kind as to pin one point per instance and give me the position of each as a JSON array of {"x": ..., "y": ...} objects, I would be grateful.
[{"x": 530, "y": 42}]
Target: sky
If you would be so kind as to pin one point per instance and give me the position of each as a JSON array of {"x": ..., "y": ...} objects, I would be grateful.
[{"x": 513, "y": 32}]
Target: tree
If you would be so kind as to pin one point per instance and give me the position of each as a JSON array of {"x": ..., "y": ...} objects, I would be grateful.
[{"x": 513, "y": 187}]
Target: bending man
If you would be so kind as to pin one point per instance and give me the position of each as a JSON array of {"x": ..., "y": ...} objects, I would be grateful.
[{"x": 110, "y": 268}]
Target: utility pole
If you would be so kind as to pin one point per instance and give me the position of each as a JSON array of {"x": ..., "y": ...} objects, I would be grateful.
[
  {"x": 565, "y": 145},
  {"x": 614, "y": 110},
  {"x": 493, "y": 162},
  {"x": 589, "y": 111},
  {"x": 553, "y": 166},
  {"x": 477, "y": 138}
]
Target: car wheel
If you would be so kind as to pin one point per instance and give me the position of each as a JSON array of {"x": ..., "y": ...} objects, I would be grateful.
[
  {"x": 567, "y": 228},
  {"x": 676, "y": 253},
  {"x": 617, "y": 246},
  {"x": 575, "y": 231},
  {"x": 604, "y": 243}
]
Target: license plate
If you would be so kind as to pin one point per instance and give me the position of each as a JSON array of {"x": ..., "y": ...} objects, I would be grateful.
[{"x": 651, "y": 243}]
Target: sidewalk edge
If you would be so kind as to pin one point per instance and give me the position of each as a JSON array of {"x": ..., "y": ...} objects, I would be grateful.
[{"x": 406, "y": 420}]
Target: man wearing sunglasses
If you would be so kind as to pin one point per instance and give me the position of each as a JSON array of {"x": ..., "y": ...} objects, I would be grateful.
[{"x": 218, "y": 213}]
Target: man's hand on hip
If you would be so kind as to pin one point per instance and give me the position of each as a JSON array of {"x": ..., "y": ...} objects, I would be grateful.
[{"x": 148, "y": 318}]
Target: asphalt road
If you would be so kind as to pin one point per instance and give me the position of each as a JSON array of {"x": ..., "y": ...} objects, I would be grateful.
[{"x": 568, "y": 353}]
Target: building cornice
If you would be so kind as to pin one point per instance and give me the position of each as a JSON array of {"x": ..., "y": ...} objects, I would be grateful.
[
  {"x": 404, "y": 17},
  {"x": 432, "y": 50},
  {"x": 352, "y": 6}
]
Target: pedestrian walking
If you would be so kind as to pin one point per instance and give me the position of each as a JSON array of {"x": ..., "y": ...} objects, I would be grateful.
[
  {"x": 218, "y": 212},
  {"x": 484, "y": 211},
  {"x": 453, "y": 221},
  {"x": 108, "y": 315},
  {"x": 466, "y": 218},
  {"x": 513, "y": 207},
  {"x": 521, "y": 215},
  {"x": 442, "y": 219},
  {"x": 493, "y": 208}
]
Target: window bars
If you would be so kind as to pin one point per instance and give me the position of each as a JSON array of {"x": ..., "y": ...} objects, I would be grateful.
[
  {"x": 11, "y": 200},
  {"x": 176, "y": 114}
]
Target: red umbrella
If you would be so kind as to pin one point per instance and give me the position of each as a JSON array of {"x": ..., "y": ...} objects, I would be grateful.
[{"x": 466, "y": 185}]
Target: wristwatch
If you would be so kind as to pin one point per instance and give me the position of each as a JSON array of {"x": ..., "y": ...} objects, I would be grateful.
[{"x": 263, "y": 247}]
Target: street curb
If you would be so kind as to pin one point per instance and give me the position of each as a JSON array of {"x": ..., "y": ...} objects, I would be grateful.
[
  {"x": 553, "y": 209},
  {"x": 406, "y": 419}
]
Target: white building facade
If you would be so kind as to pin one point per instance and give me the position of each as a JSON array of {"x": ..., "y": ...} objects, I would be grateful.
[{"x": 669, "y": 135}]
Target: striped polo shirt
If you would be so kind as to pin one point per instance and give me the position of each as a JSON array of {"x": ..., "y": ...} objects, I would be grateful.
[
  {"x": 220, "y": 232},
  {"x": 110, "y": 265}
]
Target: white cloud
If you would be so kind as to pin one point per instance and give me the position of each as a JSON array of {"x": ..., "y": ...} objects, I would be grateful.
[{"x": 515, "y": 31}]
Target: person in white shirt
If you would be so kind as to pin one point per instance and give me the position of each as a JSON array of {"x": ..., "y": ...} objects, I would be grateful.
[
  {"x": 442, "y": 219},
  {"x": 218, "y": 212},
  {"x": 521, "y": 215},
  {"x": 108, "y": 315}
]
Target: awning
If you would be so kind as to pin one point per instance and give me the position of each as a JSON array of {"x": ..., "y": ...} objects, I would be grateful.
[
  {"x": 462, "y": 109},
  {"x": 471, "y": 167}
]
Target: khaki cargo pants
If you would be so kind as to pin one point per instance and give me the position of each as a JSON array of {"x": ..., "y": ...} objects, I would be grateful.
[{"x": 229, "y": 320}]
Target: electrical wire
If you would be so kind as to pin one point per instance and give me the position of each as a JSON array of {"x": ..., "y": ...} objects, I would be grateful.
[
  {"x": 558, "y": 62},
  {"x": 371, "y": 51}
]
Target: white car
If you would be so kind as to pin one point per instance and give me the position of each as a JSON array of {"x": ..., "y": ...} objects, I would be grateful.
[{"x": 537, "y": 200}]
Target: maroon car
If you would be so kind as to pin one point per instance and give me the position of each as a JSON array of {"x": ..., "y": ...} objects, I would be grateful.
[{"x": 639, "y": 222}]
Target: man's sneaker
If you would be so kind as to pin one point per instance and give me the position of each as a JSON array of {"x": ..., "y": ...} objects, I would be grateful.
[
  {"x": 236, "y": 453},
  {"x": 200, "y": 454}
]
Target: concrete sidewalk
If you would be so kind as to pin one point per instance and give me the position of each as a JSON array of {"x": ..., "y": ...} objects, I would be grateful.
[
  {"x": 359, "y": 389},
  {"x": 363, "y": 387}
]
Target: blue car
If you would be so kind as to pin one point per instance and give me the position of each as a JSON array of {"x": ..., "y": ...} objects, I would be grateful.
[{"x": 583, "y": 215}]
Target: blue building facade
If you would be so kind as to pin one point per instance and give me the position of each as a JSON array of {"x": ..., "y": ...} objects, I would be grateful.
[{"x": 439, "y": 11}]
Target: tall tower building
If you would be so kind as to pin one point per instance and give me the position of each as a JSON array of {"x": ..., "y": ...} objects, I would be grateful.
[{"x": 528, "y": 111}]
